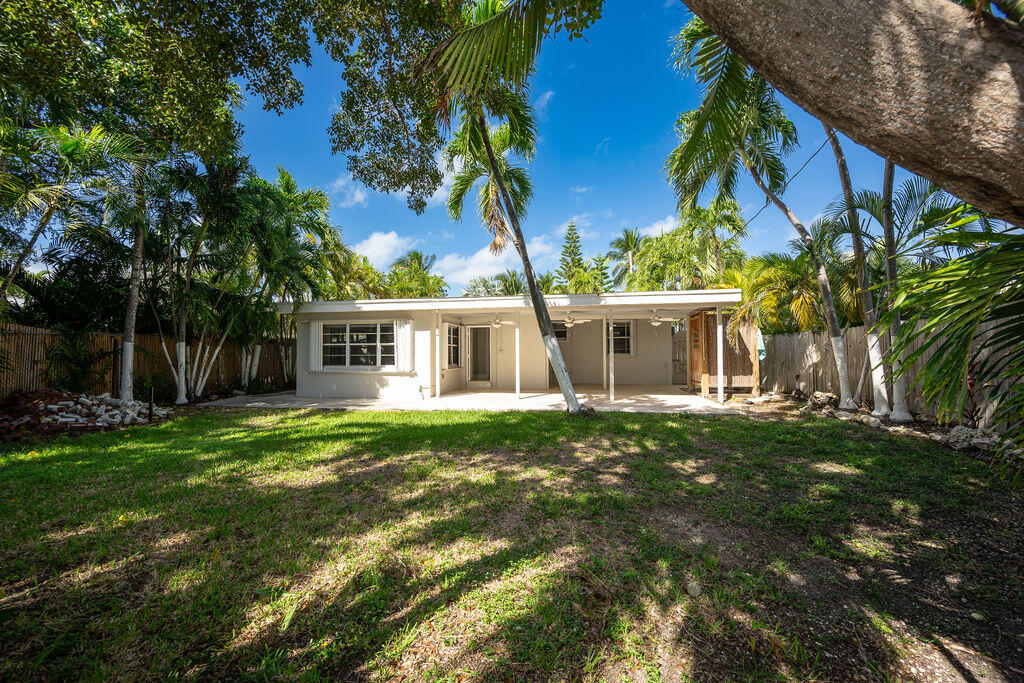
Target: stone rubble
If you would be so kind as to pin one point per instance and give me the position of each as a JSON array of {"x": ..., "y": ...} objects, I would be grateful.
[{"x": 48, "y": 410}]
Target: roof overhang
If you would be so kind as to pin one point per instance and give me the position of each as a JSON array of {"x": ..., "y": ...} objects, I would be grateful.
[{"x": 612, "y": 302}]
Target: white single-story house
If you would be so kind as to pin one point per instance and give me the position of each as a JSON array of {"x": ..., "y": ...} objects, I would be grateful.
[{"x": 405, "y": 348}]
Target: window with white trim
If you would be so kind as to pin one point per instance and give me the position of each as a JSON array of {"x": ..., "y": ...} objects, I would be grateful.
[
  {"x": 359, "y": 345},
  {"x": 621, "y": 338},
  {"x": 454, "y": 346}
]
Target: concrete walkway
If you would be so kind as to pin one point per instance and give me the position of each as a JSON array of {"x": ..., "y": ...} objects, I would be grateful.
[{"x": 629, "y": 399}]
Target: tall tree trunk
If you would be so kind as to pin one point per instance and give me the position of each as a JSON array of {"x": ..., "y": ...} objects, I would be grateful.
[
  {"x": 43, "y": 222},
  {"x": 827, "y": 303},
  {"x": 132, "y": 305},
  {"x": 880, "y": 398},
  {"x": 540, "y": 308},
  {"x": 182, "y": 317},
  {"x": 900, "y": 411},
  {"x": 920, "y": 82},
  {"x": 718, "y": 258}
]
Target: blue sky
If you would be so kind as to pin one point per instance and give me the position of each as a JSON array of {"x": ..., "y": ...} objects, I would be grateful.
[{"x": 606, "y": 107}]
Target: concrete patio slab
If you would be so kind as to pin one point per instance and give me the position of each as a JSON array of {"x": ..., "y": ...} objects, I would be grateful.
[{"x": 628, "y": 399}]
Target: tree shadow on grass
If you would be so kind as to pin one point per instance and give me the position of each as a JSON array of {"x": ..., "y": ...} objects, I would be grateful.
[{"x": 516, "y": 545}]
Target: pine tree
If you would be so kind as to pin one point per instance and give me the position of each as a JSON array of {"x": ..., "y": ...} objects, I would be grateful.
[{"x": 571, "y": 259}]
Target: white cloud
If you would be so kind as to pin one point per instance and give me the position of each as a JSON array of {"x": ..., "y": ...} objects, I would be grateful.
[
  {"x": 382, "y": 248},
  {"x": 459, "y": 269},
  {"x": 666, "y": 224},
  {"x": 349, "y": 193},
  {"x": 579, "y": 189},
  {"x": 603, "y": 145},
  {"x": 540, "y": 105}
]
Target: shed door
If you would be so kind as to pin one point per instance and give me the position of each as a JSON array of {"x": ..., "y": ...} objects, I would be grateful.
[
  {"x": 696, "y": 349},
  {"x": 679, "y": 337}
]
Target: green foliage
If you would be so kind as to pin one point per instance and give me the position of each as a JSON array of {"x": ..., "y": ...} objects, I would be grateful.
[
  {"x": 482, "y": 286},
  {"x": 570, "y": 261},
  {"x": 74, "y": 363},
  {"x": 410, "y": 277},
  {"x": 511, "y": 283},
  {"x": 944, "y": 309},
  {"x": 504, "y": 39}
]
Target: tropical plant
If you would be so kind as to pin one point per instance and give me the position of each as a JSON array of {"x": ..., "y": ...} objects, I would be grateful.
[
  {"x": 511, "y": 283},
  {"x": 482, "y": 286},
  {"x": 943, "y": 310},
  {"x": 410, "y": 277},
  {"x": 717, "y": 227},
  {"x": 908, "y": 217},
  {"x": 475, "y": 101},
  {"x": 58, "y": 166},
  {"x": 740, "y": 125},
  {"x": 622, "y": 252}
]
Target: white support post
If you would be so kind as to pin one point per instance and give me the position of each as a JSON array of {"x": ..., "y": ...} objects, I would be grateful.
[
  {"x": 611, "y": 360},
  {"x": 437, "y": 359},
  {"x": 604, "y": 353},
  {"x": 720, "y": 356},
  {"x": 518, "y": 383}
]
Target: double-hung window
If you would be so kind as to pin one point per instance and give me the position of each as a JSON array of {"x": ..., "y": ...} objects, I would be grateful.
[
  {"x": 454, "y": 346},
  {"x": 621, "y": 337},
  {"x": 359, "y": 345}
]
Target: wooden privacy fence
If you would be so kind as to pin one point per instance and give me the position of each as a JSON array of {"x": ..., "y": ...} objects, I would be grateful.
[
  {"x": 804, "y": 360},
  {"x": 34, "y": 355}
]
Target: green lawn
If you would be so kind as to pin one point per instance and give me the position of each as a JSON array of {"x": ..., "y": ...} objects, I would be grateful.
[{"x": 453, "y": 546}]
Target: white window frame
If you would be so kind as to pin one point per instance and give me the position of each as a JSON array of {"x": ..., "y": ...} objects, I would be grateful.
[
  {"x": 347, "y": 344},
  {"x": 630, "y": 335},
  {"x": 456, "y": 332}
]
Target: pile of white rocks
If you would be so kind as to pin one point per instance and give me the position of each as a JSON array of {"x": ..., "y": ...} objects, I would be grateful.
[{"x": 103, "y": 410}]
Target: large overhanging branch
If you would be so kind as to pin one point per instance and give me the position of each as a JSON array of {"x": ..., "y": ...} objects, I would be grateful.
[{"x": 923, "y": 83}]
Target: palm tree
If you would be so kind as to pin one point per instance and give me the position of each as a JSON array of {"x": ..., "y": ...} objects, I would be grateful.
[
  {"x": 740, "y": 125},
  {"x": 473, "y": 145},
  {"x": 216, "y": 203},
  {"x": 410, "y": 277},
  {"x": 546, "y": 283},
  {"x": 705, "y": 222},
  {"x": 622, "y": 251},
  {"x": 867, "y": 305},
  {"x": 511, "y": 283},
  {"x": 414, "y": 261},
  {"x": 62, "y": 161},
  {"x": 482, "y": 286},
  {"x": 917, "y": 210}
]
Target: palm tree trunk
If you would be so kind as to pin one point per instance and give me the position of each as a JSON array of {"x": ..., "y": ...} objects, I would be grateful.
[
  {"x": 179, "y": 342},
  {"x": 827, "y": 302},
  {"x": 132, "y": 305},
  {"x": 900, "y": 411},
  {"x": 540, "y": 309},
  {"x": 875, "y": 355},
  {"x": 43, "y": 222}
]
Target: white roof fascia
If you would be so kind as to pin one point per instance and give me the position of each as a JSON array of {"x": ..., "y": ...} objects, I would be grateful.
[{"x": 691, "y": 299}]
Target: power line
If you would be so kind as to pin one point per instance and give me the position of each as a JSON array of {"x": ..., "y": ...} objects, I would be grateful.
[{"x": 786, "y": 184}]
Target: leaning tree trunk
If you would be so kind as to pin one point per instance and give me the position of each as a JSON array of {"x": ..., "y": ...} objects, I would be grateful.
[
  {"x": 43, "y": 222},
  {"x": 875, "y": 356},
  {"x": 827, "y": 302},
  {"x": 920, "y": 82},
  {"x": 540, "y": 308},
  {"x": 900, "y": 411},
  {"x": 132, "y": 305}
]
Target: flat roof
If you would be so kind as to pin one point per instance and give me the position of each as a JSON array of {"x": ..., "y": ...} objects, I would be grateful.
[{"x": 690, "y": 299}]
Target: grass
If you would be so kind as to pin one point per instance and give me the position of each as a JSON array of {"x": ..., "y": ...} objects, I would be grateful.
[{"x": 453, "y": 546}]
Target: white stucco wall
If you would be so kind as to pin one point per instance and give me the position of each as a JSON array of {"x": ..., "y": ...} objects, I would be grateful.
[{"x": 652, "y": 363}]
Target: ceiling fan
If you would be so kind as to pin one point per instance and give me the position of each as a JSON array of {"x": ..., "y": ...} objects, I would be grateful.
[
  {"x": 657, "y": 320},
  {"x": 498, "y": 322},
  {"x": 570, "y": 321}
]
